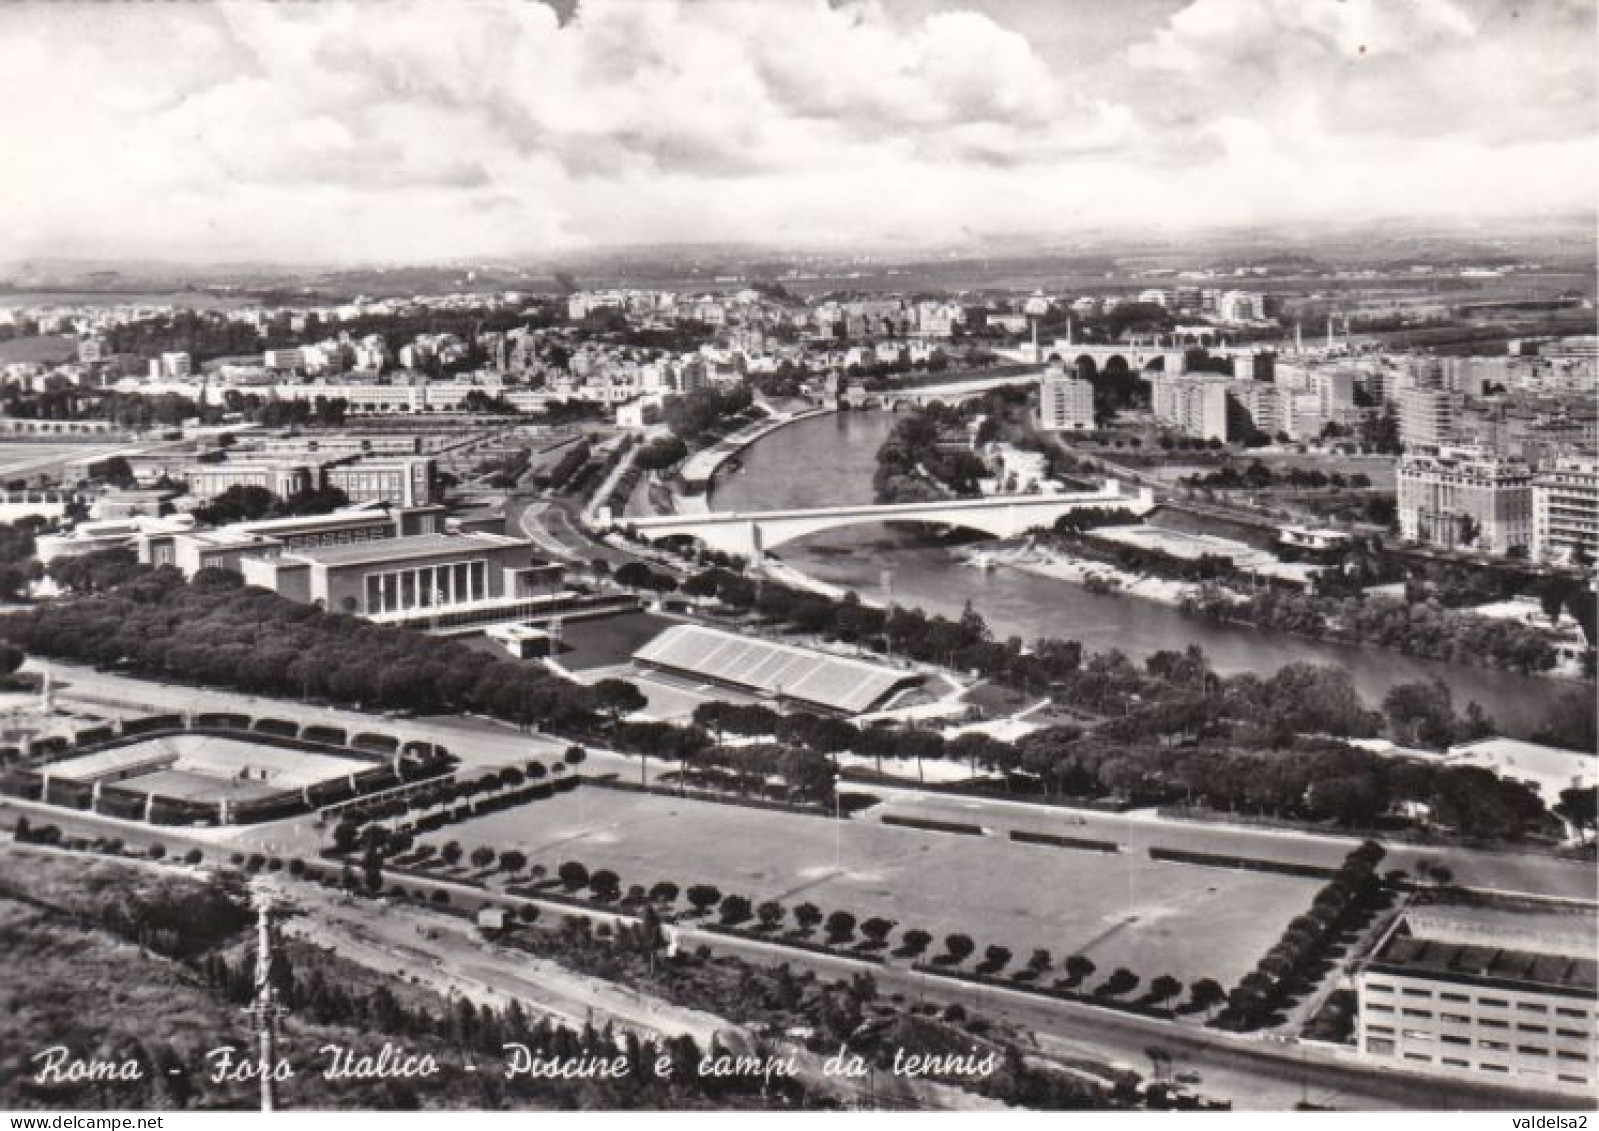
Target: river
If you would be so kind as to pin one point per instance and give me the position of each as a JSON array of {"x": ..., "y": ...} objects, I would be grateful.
[{"x": 830, "y": 459}]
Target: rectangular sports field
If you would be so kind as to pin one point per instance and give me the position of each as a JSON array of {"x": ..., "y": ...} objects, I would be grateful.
[{"x": 1119, "y": 909}]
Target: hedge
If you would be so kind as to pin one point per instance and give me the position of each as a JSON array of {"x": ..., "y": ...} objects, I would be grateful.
[
  {"x": 1244, "y": 863},
  {"x": 1022, "y": 836},
  {"x": 933, "y": 826}
]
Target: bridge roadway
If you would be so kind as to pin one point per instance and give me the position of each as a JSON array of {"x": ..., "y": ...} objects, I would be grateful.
[{"x": 751, "y": 533}]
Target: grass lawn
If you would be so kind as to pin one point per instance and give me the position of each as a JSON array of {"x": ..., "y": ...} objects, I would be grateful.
[{"x": 1119, "y": 910}]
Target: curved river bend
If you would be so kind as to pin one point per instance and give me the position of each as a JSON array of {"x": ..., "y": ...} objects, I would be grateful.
[{"x": 830, "y": 459}]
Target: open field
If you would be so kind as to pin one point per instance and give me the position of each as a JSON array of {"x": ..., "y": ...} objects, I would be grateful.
[
  {"x": 45, "y": 349},
  {"x": 22, "y": 455},
  {"x": 1118, "y": 909}
]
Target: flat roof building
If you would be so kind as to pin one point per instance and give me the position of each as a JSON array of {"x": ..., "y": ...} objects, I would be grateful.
[
  {"x": 226, "y": 547},
  {"x": 410, "y": 578},
  {"x": 1485, "y": 994},
  {"x": 1565, "y": 512},
  {"x": 1465, "y": 497},
  {"x": 1065, "y": 404},
  {"x": 1194, "y": 405},
  {"x": 403, "y": 481}
]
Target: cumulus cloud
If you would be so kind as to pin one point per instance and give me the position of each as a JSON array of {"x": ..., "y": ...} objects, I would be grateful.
[{"x": 418, "y": 129}]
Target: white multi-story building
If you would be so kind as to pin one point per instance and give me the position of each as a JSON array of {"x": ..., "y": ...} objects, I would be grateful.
[
  {"x": 1266, "y": 405},
  {"x": 1428, "y": 418},
  {"x": 170, "y": 366},
  {"x": 1465, "y": 497},
  {"x": 1241, "y": 306},
  {"x": 1065, "y": 404},
  {"x": 1486, "y": 995},
  {"x": 1194, "y": 405},
  {"x": 284, "y": 359},
  {"x": 1565, "y": 511}
]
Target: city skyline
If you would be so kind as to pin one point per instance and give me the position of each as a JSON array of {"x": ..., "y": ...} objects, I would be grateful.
[{"x": 348, "y": 132}]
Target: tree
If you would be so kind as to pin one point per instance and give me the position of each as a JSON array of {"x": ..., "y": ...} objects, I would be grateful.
[
  {"x": 1421, "y": 712},
  {"x": 664, "y": 892},
  {"x": 915, "y": 941},
  {"x": 1206, "y": 993},
  {"x": 876, "y": 930},
  {"x": 770, "y": 914},
  {"x": 451, "y": 853},
  {"x": 1121, "y": 981},
  {"x": 606, "y": 885},
  {"x": 512, "y": 861},
  {"x": 808, "y": 916},
  {"x": 483, "y": 856},
  {"x": 1039, "y": 961},
  {"x": 995, "y": 958},
  {"x": 574, "y": 756},
  {"x": 1580, "y": 807},
  {"x": 372, "y": 870},
  {"x": 735, "y": 909},
  {"x": 347, "y": 834},
  {"x": 1164, "y": 988},
  {"x": 702, "y": 897},
  {"x": 617, "y": 698},
  {"x": 840, "y": 927},
  {"x": 572, "y": 875},
  {"x": 1079, "y": 968},
  {"x": 959, "y": 947}
]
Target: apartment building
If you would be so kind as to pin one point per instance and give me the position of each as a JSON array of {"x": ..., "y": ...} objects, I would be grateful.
[
  {"x": 1565, "y": 511},
  {"x": 1465, "y": 497},
  {"x": 1428, "y": 418},
  {"x": 1065, "y": 404},
  {"x": 1194, "y": 405}
]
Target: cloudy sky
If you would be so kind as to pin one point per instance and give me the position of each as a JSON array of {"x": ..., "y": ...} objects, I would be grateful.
[{"x": 424, "y": 129}]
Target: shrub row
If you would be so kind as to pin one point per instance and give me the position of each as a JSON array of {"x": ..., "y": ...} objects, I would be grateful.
[
  {"x": 933, "y": 826},
  {"x": 1022, "y": 836}
]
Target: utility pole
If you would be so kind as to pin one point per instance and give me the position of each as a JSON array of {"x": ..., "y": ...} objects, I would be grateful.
[{"x": 266, "y": 1010}]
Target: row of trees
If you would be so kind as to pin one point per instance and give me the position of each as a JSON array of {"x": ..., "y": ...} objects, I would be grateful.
[
  {"x": 1257, "y": 477},
  {"x": 247, "y": 504},
  {"x": 1292, "y": 964}
]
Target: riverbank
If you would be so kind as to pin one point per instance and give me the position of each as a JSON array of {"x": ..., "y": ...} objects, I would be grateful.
[
  {"x": 701, "y": 467},
  {"x": 1058, "y": 566}
]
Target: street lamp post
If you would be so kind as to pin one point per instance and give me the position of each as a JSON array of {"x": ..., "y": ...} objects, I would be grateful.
[{"x": 838, "y": 824}]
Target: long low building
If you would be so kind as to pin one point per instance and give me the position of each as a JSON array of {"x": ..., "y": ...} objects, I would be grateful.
[
  {"x": 403, "y": 579},
  {"x": 1485, "y": 994},
  {"x": 784, "y": 672}
]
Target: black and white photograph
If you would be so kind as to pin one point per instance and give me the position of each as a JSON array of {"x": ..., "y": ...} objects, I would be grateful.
[{"x": 799, "y": 556}]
